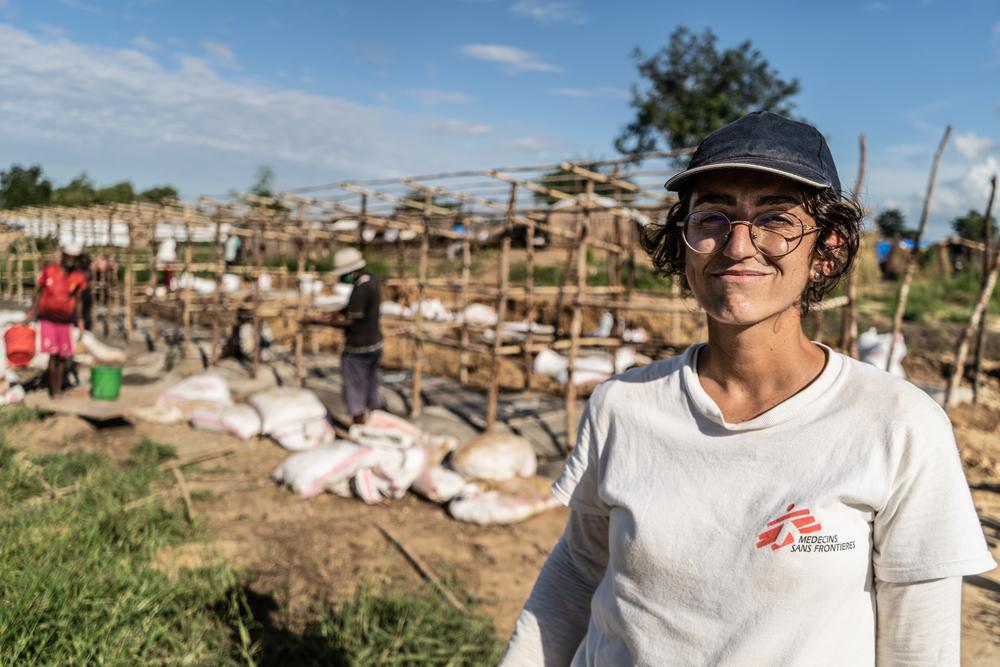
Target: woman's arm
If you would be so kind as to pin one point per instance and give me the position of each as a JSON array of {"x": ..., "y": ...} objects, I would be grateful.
[
  {"x": 919, "y": 623},
  {"x": 555, "y": 617}
]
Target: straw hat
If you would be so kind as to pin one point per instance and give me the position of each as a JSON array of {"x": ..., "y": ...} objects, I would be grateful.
[
  {"x": 72, "y": 249},
  {"x": 347, "y": 260}
]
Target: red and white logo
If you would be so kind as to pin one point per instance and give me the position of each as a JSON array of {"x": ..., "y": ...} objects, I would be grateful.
[{"x": 785, "y": 530}]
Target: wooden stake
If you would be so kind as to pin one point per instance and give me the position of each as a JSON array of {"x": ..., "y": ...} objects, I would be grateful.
[
  {"x": 529, "y": 302},
  {"x": 258, "y": 240},
  {"x": 421, "y": 568},
  {"x": 186, "y": 297},
  {"x": 416, "y": 401},
  {"x": 182, "y": 485},
  {"x": 911, "y": 263},
  {"x": 849, "y": 321},
  {"x": 503, "y": 278},
  {"x": 300, "y": 310},
  {"x": 987, "y": 267},
  {"x": 962, "y": 348},
  {"x": 463, "y": 361},
  {"x": 574, "y": 329}
]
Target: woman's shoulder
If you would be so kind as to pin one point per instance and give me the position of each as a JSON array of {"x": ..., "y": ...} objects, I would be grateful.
[
  {"x": 875, "y": 390},
  {"x": 637, "y": 381}
]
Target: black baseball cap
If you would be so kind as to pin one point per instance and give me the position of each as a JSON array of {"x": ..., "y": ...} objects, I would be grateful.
[{"x": 764, "y": 141}]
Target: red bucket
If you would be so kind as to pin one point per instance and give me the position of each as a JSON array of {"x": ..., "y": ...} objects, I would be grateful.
[{"x": 20, "y": 343}]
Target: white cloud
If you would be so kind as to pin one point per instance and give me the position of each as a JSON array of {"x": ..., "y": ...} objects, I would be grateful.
[
  {"x": 118, "y": 113},
  {"x": 145, "y": 43},
  {"x": 598, "y": 91},
  {"x": 221, "y": 53},
  {"x": 549, "y": 12},
  {"x": 434, "y": 97},
  {"x": 513, "y": 59},
  {"x": 529, "y": 143},
  {"x": 455, "y": 126},
  {"x": 84, "y": 7},
  {"x": 972, "y": 146}
]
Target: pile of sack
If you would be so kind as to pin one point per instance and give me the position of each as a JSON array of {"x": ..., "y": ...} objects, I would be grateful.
[{"x": 489, "y": 479}]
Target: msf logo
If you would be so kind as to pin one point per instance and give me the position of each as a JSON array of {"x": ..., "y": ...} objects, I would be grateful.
[{"x": 782, "y": 531}]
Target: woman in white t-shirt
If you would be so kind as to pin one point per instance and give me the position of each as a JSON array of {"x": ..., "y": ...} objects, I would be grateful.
[{"x": 760, "y": 499}]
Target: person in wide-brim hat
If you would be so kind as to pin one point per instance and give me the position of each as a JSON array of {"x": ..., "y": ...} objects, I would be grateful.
[
  {"x": 360, "y": 361},
  {"x": 760, "y": 499}
]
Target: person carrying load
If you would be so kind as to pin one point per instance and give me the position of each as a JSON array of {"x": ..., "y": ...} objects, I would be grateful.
[{"x": 57, "y": 305}]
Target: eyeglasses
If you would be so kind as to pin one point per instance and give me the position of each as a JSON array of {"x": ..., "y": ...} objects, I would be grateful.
[{"x": 774, "y": 234}]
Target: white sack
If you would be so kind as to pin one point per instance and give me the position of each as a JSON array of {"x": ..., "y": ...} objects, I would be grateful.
[
  {"x": 304, "y": 435},
  {"x": 439, "y": 484},
  {"x": 493, "y": 507},
  {"x": 873, "y": 348},
  {"x": 103, "y": 354},
  {"x": 283, "y": 407},
  {"x": 205, "y": 387},
  {"x": 495, "y": 456},
  {"x": 208, "y": 417},
  {"x": 308, "y": 472},
  {"x": 480, "y": 315},
  {"x": 241, "y": 421}
]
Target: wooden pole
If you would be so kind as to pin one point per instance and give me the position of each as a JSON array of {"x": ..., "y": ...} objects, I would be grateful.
[
  {"x": 154, "y": 276},
  {"x": 987, "y": 267},
  {"x": 416, "y": 402},
  {"x": 186, "y": 315},
  {"x": 300, "y": 311},
  {"x": 529, "y": 302},
  {"x": 576, "y": 324},
  {"x": 571, "y": 254},
  {"x": 220, "y": 271},
  {"x": 463, "y": 361},
  {"x": 911, "y": 263},
  {"x": 129, "y": 280},
  {"x": 362, "y": 220},
  {"x": 615, "y": 260},
  {"x": 849, "y": 316},
  {"x": 962, "y": 348},
  {"x": 258, "y": 240},
  {"x": 503, "y": 279},
  {"x": 20, "y": 272}
]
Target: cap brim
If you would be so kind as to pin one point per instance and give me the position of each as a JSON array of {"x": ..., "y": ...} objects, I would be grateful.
[{"x": 674, "y": 184}]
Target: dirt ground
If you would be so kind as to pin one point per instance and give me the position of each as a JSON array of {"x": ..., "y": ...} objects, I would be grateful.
[{"x": 301, "y": 553}]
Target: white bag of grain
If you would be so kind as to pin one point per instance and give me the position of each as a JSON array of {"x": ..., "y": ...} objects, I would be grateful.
[{"x": 495, "y": 456}]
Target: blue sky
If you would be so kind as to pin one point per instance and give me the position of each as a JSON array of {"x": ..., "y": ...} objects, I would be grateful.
[{"x": 198, "y": 94}]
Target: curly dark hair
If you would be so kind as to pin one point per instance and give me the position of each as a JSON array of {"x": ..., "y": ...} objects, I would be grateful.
[{"x": 834, "y": 214}]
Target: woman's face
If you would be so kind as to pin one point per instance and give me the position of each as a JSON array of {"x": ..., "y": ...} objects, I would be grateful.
[{"x": 737, "y": 284}]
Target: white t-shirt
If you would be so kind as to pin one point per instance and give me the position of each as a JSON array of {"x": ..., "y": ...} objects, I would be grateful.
[{"x": 757, "y": 542}]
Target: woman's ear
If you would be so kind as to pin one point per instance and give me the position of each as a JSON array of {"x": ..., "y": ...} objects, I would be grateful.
[{"x": 825, "y": 256}]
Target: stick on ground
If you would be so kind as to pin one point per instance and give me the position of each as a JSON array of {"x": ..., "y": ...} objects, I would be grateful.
[{"x": 422, "y": 568}]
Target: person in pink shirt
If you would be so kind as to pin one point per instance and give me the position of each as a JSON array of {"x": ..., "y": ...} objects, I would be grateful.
[{"x": 57, "y": 306}]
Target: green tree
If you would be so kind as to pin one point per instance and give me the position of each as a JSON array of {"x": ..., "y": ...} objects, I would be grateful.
[
  {"x": 24, "y": 187},
  {"x": 694, "y": 89},
  {"x": 78, "y": 192},
  {"x": 891, "y": 223},
  {"x": 158, "y": 194},
  {"x": 119, "y": 193},
  {"x": 970, "y": 226},
  {"x": 570, "y": 183}
]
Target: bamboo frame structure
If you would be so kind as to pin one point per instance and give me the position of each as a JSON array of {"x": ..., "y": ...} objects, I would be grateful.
[{"x": 474, "y": 213}]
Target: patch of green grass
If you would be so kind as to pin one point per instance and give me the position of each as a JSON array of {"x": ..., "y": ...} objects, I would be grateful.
[
  {"x": 950, "y": 299},
  {"x": 79, "y": 588},
  {"x": 548, "y": 275},
  {"x": 149, "y": 452},
  {"x": 77, "y": 580},
  {"x": 385, "y": 627},
  {"x": 17, "y": 413}
]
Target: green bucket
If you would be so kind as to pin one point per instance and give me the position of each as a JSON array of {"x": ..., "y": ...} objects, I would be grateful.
[{"x": 105, "y": 382}]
